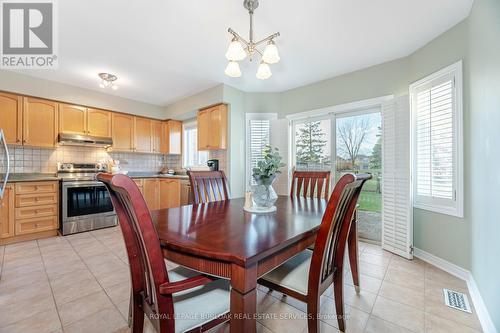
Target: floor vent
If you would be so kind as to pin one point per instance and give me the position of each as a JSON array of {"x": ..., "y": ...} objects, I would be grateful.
[{"x": 456, "y": 300}]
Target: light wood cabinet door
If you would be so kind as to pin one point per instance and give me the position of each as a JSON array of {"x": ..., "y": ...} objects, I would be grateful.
[
  {"x": 174, "y": 131},
  {"x": 143, "y": 135},
  {"x": 7, "y": 212},
  {"x": 40, "y": 119},
  {"x": 203, "y": 124},
  {"x": 72, "y": 119},
  {"x": 99, "y": 123},
  {"x": 123, "y": 132},
  {"x": 170, "y": 193},
  {"x": 150, "y": 191},
  {"x": 11, "y": 118},
  {"x": 158, "y": 137},
  {"x": 212, "y": 128}
]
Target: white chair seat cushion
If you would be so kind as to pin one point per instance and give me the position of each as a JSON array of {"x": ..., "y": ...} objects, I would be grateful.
[
  {"x": 293, "y": 273},
  {"x": 199, "y": 305}
]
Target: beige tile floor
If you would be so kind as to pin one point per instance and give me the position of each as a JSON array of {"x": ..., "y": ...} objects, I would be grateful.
[{"x": 80, "y": 283}]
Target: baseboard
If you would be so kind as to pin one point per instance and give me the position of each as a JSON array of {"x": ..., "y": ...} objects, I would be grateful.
[
  {"x": 466, "y": 275},
  {"x": 446, "y": 266}
]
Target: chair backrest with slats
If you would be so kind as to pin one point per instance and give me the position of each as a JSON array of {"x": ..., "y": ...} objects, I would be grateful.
[
  {"x": 147, "y": 266},
  {"x": 328, "y": 255},
  {"x": 208, "y": 186},
  {"x": 310, "y": 184}
]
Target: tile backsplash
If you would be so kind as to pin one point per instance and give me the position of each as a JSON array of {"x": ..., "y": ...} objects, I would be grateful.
[{"x": 39, "y": 160}]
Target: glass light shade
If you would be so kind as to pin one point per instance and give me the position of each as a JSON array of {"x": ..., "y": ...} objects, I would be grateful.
[
  {"x": 233, "y": 69},
  {"x": 271, "y": 55},
  {"x": 235, "y": 51},
  {"x": 264, "y": 71}
]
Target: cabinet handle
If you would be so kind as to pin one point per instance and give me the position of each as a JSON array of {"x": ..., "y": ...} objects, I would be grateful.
[{"x": 17, "y": 141}]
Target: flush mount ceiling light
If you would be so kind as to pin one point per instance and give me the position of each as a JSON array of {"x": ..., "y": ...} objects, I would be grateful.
[
  {"x": 108, "y": 81},
  {"x": 239, "y": 49}
]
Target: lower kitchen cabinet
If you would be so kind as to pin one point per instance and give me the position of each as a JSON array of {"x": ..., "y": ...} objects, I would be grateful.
[
  {"x": 170, "y": 193},
  {"x": 150, "y": 192},
  {"x": 29, "y": 210},
  {"x": 7, "y": 213}
]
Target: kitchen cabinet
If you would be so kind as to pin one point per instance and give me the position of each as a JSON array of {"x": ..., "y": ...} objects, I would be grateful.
[
  {"x": 122, "y": 132},
  {"x": 212, "y": 128},
  {"x": 84, "y": 121},
  {"x": 143, "y": 129},
  {"x": 7, "y": 211},
  {"x": 11, "y": 118},
  {"x": 158, "y": 137},
  {"x": 72, "y": 119},
  {"x": 40, "y": 122},
  {"x": 170, "y": 193},
  {"x": 185, "y": 196},
  {"x": 150, "y": 192},
  {"x": 99, "y": 123},
  {"x": 172, "y": 141}
]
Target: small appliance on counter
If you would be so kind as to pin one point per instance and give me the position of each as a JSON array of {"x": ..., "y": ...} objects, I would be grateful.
[{"x": 213, "y": 165}]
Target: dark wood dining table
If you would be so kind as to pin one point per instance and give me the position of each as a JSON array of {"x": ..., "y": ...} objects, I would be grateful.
[{"x": 221, "y": 239}]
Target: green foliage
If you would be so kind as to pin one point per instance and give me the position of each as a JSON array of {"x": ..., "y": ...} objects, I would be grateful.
[
  {"x": 268, "y": 168},
  {"x": 310, "y": 142}
]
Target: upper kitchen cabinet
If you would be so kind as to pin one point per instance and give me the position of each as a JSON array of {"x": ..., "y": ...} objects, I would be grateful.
[
  {"x": 40, "y": 119},
  {"x": 11, "y": 118},
  {"x": 72, "y": 119},
  {"x": 99, "y": 123},
  {"x": 81, "y": 120},
  {"x": 123, "y": 131},
  {"x": 158, "y": 137},
  {"x": 143, "y": 129},
  {"x": 172, "y": 142},
  {"x": 212, "y": 128}
]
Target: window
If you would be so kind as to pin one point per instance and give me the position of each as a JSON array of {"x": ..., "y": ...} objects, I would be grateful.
[
  {"x": 191, "y": 157},
  {"x": 436, "y": 107},
  {"x": 258, "y": 136},
  {"x": 312, "y": 144}
]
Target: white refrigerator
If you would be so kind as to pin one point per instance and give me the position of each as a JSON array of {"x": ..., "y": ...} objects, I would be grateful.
[{"x": 4, "y": 163}]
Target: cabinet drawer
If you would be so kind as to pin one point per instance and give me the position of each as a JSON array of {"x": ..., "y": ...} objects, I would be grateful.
[
  {"x": 36, "y": 211},
  {"x": 36, "y": 187},
  {"x": 38, "y": 224},
  {"x": 139, "y": 182},
  {"x": 26, "y": 200}
]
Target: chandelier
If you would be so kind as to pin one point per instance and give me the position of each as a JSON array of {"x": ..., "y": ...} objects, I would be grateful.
[{"x": 239, "y": 49}]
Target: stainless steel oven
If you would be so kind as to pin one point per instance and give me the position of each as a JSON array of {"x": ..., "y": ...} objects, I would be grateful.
[{"x": 85, "y": 202}]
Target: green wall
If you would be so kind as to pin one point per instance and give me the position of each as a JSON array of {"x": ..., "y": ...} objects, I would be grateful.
[{"x": 484, "y": 154}]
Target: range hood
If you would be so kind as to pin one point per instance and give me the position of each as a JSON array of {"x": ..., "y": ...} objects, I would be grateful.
[{"x": 84, "y": 140}]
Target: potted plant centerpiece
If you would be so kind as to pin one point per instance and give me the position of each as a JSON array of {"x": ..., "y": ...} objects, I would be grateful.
[{"x": 265, "y": 174}]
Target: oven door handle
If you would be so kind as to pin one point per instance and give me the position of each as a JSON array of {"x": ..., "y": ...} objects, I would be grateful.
[{"x": 82, "y": 184}]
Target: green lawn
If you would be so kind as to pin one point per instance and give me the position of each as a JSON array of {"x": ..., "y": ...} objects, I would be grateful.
[{"x": 370, "y": 201}]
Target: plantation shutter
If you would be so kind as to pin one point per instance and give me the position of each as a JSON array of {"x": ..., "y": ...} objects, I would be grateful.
[
  {"x": 258, "y": 136},
  {"x": 397, "y": 217}
]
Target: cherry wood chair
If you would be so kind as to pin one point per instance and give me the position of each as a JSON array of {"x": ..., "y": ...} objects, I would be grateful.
[
  {"x": 310, "y": 184},
  {"x": 180, "y": 300},
  {"x": 307, "y": 275},
  {"x": 208, "y": 186}
]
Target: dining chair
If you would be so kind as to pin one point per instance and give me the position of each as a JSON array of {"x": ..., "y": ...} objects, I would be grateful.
[
  {"x": 307, "y": 275},
  {"x": 310, "y": 184},
  {"x": 179, "y": 300},
  {"x": 208, "y": 186}
]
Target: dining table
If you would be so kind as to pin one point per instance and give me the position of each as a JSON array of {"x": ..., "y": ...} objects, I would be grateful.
[{"x": 221, "y": 239}]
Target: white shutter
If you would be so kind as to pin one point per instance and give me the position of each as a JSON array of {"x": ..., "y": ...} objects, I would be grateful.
[
  {"x": 437, "y": 141},
  {"x": 397, "y": 212},
  {"x": 279, "y": 139},
  {"x": 258, "y": 136}
]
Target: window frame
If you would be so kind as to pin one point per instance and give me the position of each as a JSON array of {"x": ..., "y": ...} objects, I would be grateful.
[
  {"x": 453, "y": 207},
  {"x": 186, "y": 126}
]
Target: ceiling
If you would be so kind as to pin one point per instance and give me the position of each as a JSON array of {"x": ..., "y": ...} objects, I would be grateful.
[{"x": 164, "y": 50}]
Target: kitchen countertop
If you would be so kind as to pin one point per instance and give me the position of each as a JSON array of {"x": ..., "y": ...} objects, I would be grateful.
[
  {"x": 31, "y": 177},
  {"x": 155, "y": 175}
]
